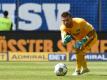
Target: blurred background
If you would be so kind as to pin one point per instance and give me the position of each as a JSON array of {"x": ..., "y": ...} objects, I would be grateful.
[
  {"x": 45, "y": 14},
  {"x": 36, "y": 24},
  {"x": 33, "y": 47}
]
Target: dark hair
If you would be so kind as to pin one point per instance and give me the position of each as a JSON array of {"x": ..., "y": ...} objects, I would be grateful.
[
  {"x": 5, "y": 13},
  {"x": 65, "y": 14}
]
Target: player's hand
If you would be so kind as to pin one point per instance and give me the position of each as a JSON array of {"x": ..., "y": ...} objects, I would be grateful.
[
  {"x": 84, "y": 40},
  {"x": 80, "y": 44},
  {"x": 67, "y": 39}
]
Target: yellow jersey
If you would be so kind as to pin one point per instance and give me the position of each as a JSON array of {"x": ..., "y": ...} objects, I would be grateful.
[
  {"x": 80, "y": 28},
  {"x": 5, "y": 24}
]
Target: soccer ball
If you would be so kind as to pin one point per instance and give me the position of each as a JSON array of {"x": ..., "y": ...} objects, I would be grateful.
[{"x": 60, "y": 69}]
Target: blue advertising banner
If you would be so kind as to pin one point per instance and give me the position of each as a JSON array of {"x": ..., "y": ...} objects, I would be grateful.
[
  {"x": 91, "y": 57},
  {"x": 57, "y": 57},
  {"x": 31, "y": 15}
]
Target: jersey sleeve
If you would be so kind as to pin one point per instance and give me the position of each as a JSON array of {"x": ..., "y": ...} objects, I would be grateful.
[{"x": 87, "y": 26}]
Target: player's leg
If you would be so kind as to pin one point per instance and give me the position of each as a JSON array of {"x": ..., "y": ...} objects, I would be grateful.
[
  {"x": 79, "y": 59},
  {"x": 81, "y": 63},
  {"x": 88, "y": 47},
  {"x": 84, "y": 64}
]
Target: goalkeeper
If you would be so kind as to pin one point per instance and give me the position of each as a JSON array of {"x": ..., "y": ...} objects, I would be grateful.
[{"x": 83, "y": 33}]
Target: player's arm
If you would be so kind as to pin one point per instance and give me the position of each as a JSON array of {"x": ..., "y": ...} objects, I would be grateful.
[
  {"x": 91, "y": 31},
  {"x": 90, "y": 36},
  {"x": 66, "y": 38}
]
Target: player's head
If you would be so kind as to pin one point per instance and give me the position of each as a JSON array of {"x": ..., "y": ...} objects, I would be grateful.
[
  {"x": 5, "y": 13},
  {"x": 66, "y": 18}
]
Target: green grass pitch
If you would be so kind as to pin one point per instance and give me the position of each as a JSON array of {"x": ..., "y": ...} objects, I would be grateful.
[{"x": 44, "y": 71}]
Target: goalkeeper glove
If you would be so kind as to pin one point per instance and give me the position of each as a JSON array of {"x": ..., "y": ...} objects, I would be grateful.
[
  {"x": 79, "y": 44},
  {"x": 67, "y": 39}
]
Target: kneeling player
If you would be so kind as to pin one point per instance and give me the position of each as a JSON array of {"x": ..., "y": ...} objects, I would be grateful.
[{"x": 83, "y": 33}]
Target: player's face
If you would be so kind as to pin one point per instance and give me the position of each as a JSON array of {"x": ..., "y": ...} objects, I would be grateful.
[{"x": 66, "y": 21}]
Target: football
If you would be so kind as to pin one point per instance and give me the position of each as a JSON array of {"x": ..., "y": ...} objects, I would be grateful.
[{"x": 60, "y": 69}]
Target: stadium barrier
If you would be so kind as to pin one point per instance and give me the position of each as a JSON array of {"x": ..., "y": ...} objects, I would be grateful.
[
  {"x": 49, "y": 56},
  {"x": 41, "y": 41},
  {"x": 38, "y": 56},
  {"x": 3, "y": 56},
  {"x": 91, "y": 57}
]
